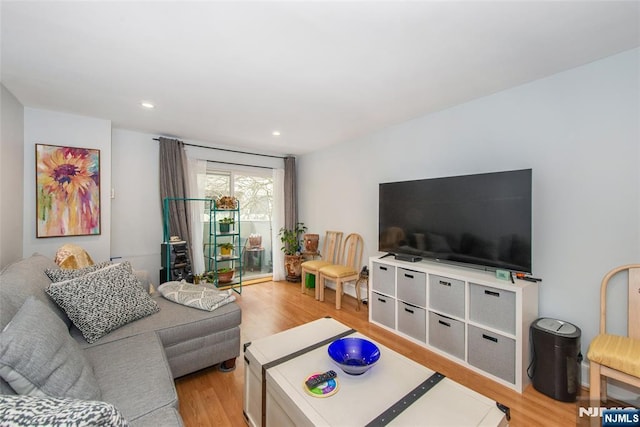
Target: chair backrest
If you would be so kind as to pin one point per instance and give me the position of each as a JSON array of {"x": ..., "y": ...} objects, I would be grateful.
[
  {"x": 633, "y": 320},
  {"x": 352, "y": 251},
  {"x": 331, "y": 246}
]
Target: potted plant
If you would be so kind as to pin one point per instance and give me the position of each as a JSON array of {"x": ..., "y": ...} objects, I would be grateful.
[
  {"x": 226, "y": 203},
  {"x": 225, "y": 275},
  {"x": 209, "y": 277},
  {"x": 290, "y": 238},
  {"x": 225, "y": 249},
  {"x": 226, "y": 223}
]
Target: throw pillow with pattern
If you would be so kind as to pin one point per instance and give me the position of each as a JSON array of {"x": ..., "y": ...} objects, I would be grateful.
[
  {"x": 202, "y": 297},
  {"x": 103, "y": 300},
  {"x": 61, "y": 274},
  {"x": 31, "y": 411}
]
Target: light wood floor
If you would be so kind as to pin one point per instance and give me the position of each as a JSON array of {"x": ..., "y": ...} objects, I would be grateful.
[{"x": 214, "y": 398}]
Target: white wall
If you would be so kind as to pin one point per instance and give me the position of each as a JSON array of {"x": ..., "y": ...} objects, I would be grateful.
[
  {"x": 11, "y": 169},
  {"x": 136, "y": 232},
  {"x": 54, "y": 128},
  {"x": 579, "y": 132}
]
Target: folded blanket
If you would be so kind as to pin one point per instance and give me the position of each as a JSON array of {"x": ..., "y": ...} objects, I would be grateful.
[{"x": 197, "y": 296}]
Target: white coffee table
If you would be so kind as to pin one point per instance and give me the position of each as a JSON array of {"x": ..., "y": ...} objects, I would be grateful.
[{"x": 360, "y": 400}]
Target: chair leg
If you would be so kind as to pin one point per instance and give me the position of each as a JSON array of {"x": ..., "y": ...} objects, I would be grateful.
[
  {"x": 594, "y": 384},
  {"x": 320, "y": 287},
  {"x": 603, "y": 389},
  {"x": 338, "y": 294},
  {"x": 304, "y": 275},
  {"x": 358, "y": 295},
  {"x": 317, "y": 287}
]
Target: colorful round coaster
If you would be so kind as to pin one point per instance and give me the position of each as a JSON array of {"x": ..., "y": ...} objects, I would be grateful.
[{"x": 325, "y": 389}]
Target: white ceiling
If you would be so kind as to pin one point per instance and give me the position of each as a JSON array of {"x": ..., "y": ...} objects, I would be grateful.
[{"x": 319, "y": 72}]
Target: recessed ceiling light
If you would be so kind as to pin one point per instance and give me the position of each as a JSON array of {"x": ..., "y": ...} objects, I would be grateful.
[
  {"x": 275, "y": 133},
  {"x": 147, "y": 104}
]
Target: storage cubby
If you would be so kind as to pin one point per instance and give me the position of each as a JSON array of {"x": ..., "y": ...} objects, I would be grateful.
[
  {"x": 411, "y": 287},
  {"x": 493, "y": 353},
  {"x": 465, "y": 314},
  {"x": 493, "y": 307},
  {"x": 383, "y": 279},
  {"x": 447, "y": 295},
  {"x": 383, "y": 309},
  {"x": 447, "y": 334},
  {"x": 412, "y": 320}
]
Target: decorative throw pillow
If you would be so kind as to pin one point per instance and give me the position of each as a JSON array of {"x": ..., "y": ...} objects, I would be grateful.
[
  {"x": 62, "y": 274},
  {"x": 38, "y": 356},
  {"x": 197, "y": 296},
  {"x": 104, "y": 300},
  {"x": 31, "y": 411}
]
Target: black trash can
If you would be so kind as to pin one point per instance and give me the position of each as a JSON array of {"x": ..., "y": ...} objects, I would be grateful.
[{"x": 555, "y": 366}]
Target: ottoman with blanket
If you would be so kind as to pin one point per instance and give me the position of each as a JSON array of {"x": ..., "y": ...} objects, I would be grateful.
[{"x": 92, "y": 343}]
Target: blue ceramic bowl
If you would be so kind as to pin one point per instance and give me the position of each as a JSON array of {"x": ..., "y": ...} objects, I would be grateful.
[{"x": 355, "y": 356}]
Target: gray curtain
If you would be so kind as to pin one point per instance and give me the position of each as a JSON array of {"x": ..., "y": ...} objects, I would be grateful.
[
  {"x": 290, "y": 193},
  {"x": 174, "y": 184}
]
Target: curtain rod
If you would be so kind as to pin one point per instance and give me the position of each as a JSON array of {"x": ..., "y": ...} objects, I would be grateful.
[
  {"x": 239, "y": 164},
  {"x": 230, "y": 151}
]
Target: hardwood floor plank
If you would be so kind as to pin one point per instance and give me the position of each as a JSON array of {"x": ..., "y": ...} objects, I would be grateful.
[{"x": 213, "y": 398}]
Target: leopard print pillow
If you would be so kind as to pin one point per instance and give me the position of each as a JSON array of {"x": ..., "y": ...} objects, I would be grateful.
[{"x": 27, "y": 411}]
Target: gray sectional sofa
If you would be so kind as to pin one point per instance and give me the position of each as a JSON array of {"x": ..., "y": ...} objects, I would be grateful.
[{"x": 134, "y": 365}]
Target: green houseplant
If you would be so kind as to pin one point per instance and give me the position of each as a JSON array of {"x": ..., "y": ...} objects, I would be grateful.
[
  {"x": 290, "y": 238},
  {"x": 226, "y": 223},
  {"x": 225, "y": 249}
]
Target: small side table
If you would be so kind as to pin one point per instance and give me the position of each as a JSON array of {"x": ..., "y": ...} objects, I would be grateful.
[
  {"x": 362, "y": 279},
  {"x": 253, "y": 258},
  {"x": 308, "y": 256}
]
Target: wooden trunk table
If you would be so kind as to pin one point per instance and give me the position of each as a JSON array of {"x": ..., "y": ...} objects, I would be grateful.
[{"x": 396, "y": 391}]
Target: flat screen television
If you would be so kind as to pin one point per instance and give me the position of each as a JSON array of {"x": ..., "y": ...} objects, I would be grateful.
[{"x": 481, "y": 220}]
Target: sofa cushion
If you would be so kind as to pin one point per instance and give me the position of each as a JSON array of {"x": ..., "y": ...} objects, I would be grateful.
[
  {"x": 31, "y": 411},
  {"x": 134, "y": 375},
  {"x": 201, "y": 297},
  {"x": 38, "y": 356},
  {"x": 175, "y": 323},
  {"x": 103, "y": 300},
  {"x": 165, "y": 417},
  {"x": 23, "y": 279}
]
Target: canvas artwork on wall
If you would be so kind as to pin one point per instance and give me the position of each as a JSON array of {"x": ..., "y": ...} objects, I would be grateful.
[{"x": 67, "y": 191}]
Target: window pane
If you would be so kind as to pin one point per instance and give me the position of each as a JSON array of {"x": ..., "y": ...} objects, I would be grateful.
[
  {"x": 218, "y": 184},
  {"x": 255, "y": 195}
]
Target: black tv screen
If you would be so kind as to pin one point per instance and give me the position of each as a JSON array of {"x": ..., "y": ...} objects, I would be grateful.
[{"x": 482, "y": 220}]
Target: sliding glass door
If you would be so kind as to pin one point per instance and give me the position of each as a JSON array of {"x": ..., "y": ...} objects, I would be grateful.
[{"x": 254, "y": 191}]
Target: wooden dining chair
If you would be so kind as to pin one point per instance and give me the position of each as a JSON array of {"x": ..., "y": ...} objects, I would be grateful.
[
  {"x": 330, "y": 253},
  {"x": 616, "y": 356},
  {"x": 347, "y": 270}
]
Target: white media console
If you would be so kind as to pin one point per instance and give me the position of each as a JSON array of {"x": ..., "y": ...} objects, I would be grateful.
[{"x": 464, "y": 314}]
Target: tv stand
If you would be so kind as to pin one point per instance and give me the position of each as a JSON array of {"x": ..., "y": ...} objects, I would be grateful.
[{"x": 466, "y": 315}]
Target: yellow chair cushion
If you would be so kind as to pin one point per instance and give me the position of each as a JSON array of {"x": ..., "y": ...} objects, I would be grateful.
[
  {"x": 315, "y": 264},
  {"x": 338, "y": 271},
  {"x": 617, "y": 352}
]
